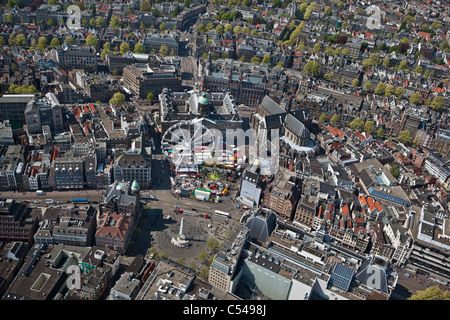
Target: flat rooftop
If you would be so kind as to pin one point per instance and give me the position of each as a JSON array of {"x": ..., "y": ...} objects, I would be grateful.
[{"x": 167, "y": 279}]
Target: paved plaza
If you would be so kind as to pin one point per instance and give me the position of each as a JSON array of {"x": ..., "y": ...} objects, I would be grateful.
[{"x": 162, "y": 223}]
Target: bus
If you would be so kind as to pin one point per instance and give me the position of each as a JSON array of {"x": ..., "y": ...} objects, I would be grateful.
[
  {"x": 80, "y": 200},
  {"x": 221, "y": 213}
]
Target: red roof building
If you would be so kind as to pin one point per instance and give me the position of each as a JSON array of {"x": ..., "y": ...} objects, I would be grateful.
[
  {"x": 113, "y": 230},
  {"x": 371, "y": 204}
]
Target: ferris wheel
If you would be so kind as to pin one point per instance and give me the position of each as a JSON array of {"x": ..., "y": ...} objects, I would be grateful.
[{"x": 188, "y": 143}]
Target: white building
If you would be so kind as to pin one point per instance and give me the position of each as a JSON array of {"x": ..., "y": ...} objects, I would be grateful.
[{"x": 126, "y": 288}]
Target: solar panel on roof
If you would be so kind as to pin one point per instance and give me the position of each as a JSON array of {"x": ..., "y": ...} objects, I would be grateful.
[{"x": 342, "y": 276}]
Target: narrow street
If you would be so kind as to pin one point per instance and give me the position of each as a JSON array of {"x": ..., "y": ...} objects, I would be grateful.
[{"x": 189, "y": 71}]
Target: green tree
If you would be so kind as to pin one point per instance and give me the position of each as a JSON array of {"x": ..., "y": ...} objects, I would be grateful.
[
  {"x": 405, "y": 136},
  {"x": 402, "y": 65},
  {"x": 386, "y": 62},
  {"x": 266, "y": 59},
  {"x": 416, "y": 98},
  {"x": 150, "y": 97},
  {"x": 438, "y": 103},
  {"x": 92, "y": 40},
  {"x": 10, "y": 18},
  {"x": 317, "y": 47},
  {"x": 301, "y": 46},
  {"x": 21, "y": 40},
  {"x": 115, "y": 23},
  {"x": 227, "y": 27},
  {"x": 204, "y": 274},
  {"x": 329, "y": 50},
  {"x": 399, "y": 92},
  {"x": 395, "y": 171},
  {"x": 164, "y": 51},
  {"x": 355, "y": 83},
  {"x": 431, "y": 293},
  {"x": 389, "y": 91},
  {"x": 162, "y": 26},
  {"x": 329, "y": 75},
  {"x": 69, "y": 40},
  {"x": 418, "y": 69},
  {"x": 203, "y": 256},
  {"x": 309, "y": 10},
  {"x": 210, "y": 26},
  {"x": 255, "y": 60},
  {"x": 334, "y": 119},
  {"x": 380, "y": 132},
  {"x": 380, "y": 89},
  {"x": 357, "y": 124},
  {"x": 323, "y": 117},
  {"x": 100, "y": 22},
  {"x": 372, "y": 61},
  {"x": 104, "y": 53},
  {"x": 124, "y": 47},
  {"x": 118, "y": 98},
  {"x": 312, "y": 68},
  {"x": 12, "y": 88},
  {"x": 42, "y": 43},
  {"x": 212, "y": 244},
  {"x": 368, "y": 85},
  {"x": 55, "y": 42},
  {"x": 369, "y": 127},
  {"x": 139, "y": 47}
]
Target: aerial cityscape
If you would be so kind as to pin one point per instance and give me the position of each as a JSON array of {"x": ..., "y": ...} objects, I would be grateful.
[{"x": 241, "y": 150}]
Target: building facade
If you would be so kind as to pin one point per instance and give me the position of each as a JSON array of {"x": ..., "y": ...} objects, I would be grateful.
[{"x": 77, "y": 57}]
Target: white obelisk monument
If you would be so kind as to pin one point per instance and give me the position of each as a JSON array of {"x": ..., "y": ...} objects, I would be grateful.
[{"x": 180, "y": 241}]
